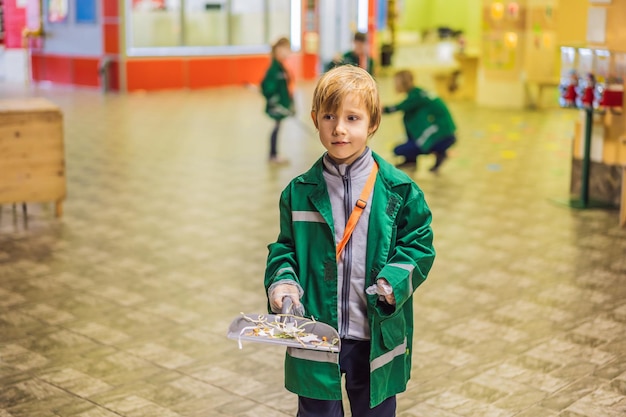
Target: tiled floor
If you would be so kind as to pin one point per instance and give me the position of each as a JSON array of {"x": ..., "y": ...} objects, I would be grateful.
[{"x": 121, "y": 307}]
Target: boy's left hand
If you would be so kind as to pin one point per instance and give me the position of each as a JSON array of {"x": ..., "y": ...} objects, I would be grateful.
[{"x": 384, "y": 290}]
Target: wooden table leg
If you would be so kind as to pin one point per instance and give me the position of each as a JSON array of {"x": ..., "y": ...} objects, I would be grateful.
[
  {"x": 622, "y": 206},
  {"x": 58, "y": 208}
]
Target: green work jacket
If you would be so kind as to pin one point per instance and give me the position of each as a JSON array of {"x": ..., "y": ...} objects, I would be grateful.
[
  {"x": 275, "y": 89},
  {"x": 426, "y": 119},
  {"x": 399, "y": 249}
]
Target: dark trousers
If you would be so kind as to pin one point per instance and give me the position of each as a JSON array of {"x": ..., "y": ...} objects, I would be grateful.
[
  {"x": 354, "y": 363},
  {"x": 274, "y": 140},
  {"x": 411, "y": 150}
]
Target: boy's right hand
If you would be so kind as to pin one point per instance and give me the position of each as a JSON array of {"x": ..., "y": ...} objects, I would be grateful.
[{"x": 281, "y": 291}]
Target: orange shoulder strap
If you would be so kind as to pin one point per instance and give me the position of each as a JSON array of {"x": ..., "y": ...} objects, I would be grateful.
[{"x": 358, "y": 209}]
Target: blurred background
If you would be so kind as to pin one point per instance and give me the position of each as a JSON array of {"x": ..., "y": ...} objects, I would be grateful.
[{"x": 137, "y": 201}]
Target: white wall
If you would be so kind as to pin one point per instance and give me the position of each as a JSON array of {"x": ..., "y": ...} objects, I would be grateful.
[
  {"x": 71, "y": 38},
  {"x": 337, "y": 24},
  {"x": 13, "y": 65}
]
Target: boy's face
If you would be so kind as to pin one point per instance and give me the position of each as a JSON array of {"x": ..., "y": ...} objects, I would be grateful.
[
  {"x": 344, "y": 133},
  {"x": 398, "y": 85},
  {"x": 282, "y": 53},
  {"x": 359, "y": 47}
]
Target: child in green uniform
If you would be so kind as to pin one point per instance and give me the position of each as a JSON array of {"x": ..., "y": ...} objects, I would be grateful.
[
  {"x": 277, "y": 88},
  {"x": 361, "y": 282},
  {"x": 427, "y": 120},
  {"x": 357, "y": 56}
]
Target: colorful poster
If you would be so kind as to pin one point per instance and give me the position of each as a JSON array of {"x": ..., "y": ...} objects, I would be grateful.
[
  {"x": 148, "y": 5},
  {"x": 497, "y": 11},
  {"x": 501, "y": 51},
  {"x": 57, "y": 11},
  {"x": 86, "y": 11},
  {"x": 596, "y": 25}
]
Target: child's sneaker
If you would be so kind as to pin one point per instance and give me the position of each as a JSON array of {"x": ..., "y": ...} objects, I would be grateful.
[
  {"x": 440, "y": 157},
  {"x": 407, "y": 165},
  {"x": 278, "y": 160}
]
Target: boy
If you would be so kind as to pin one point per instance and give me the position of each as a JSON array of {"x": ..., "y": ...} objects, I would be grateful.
[
  {"x": 364, "y": 287},
  {"x": 357, "y": 56},
  {"x": 277, "y": 88},
  {"x": 428, "y": 123}
]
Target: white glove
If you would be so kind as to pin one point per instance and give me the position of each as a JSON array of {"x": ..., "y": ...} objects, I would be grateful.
[
  {"x": 384, "y": 291},
  {"x": 278, "y": 292}
]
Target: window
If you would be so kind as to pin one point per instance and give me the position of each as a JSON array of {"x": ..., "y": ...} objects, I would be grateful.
[
  {"x": 206, "y": 24},
  {"x": 279, "y": 19},
  {"x": 204, "y": 27}
]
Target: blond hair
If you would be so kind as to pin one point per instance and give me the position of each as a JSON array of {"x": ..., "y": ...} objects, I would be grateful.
[
  {"x": 404, "y": 78},
  {"x": 337, "y": 83}
]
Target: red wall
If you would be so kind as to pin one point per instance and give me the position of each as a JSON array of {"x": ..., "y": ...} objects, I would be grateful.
[
  {"x": 110, "y": 27},
  {"x": 79, "y": 70},
  {"x": 205, "y": 72},
  {"x": 14, "y": 21},
  {"x": 155, "y": 73},
  {"x": 194, "y": 73},
  {"x": 82, "y": 71}
]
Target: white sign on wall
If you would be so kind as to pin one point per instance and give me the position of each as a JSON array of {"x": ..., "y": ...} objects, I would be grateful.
[{"x": 596, "y": 25}]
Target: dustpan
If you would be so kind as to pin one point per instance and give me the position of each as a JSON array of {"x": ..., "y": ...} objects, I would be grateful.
[{"x": 284, "y": 329}]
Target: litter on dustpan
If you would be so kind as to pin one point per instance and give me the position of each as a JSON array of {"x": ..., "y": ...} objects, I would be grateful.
[{"x": 284, "y": 329}]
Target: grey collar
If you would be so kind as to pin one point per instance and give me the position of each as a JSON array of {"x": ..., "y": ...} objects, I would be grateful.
[{"x": 361, "y": 166}]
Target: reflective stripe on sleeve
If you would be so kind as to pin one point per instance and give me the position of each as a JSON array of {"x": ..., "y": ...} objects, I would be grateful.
[
  {"x": 409, "y": 268},
  {"x": 428, "y": 132},
  {"x": 288, "y": 270},
  {"x": 307, "y": 216},
  {"x": 313, "y": 355},
  {"x": 386, "y": 358}
]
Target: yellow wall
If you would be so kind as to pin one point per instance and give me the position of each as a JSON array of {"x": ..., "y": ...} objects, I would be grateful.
[
  {"x": 420, "y": 15},
  {"x": 465, "y": 15},
  {"x": 572, "y": 22},
  {"x": 414, "y": 16}
]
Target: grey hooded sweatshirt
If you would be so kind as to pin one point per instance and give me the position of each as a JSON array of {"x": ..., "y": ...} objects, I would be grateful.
[{"x": 345, "y": 184}]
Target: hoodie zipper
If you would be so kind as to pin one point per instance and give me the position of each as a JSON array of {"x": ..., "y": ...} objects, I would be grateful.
[
  {"x": 347, "y": 257},
  {"x": 347, "y": 251}
]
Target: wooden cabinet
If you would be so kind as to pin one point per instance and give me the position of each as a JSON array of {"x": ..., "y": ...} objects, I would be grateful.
[
  {"x": 32, "y": 157},
  {"x": 622, "y": 212}
]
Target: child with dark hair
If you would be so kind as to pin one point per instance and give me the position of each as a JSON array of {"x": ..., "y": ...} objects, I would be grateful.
[{"x": 358, "y": 56}]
